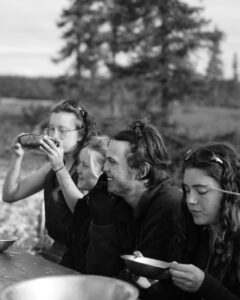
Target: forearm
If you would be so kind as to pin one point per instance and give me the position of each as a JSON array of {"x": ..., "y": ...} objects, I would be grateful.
[
  {"x": 11, "y": 182},
  {"x": 69, "y": 189}
]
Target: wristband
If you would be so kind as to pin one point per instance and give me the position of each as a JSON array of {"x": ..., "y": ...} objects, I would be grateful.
[{"x": 59, "y": 169}]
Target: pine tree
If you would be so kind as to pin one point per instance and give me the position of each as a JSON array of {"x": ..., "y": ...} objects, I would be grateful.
[
  {"x": 157, "y": 36},
  {"x": 79, "y": 23},
  {"x": 163, "y": 35},
  {"x": 235, "y": 67},
  {"x": 215, "y": 66}
]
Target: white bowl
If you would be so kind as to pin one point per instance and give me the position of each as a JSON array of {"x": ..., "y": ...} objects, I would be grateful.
[
  {"x": 146, "y": 267},
  {"x": 71, "y": 287},
  {"x": 6, "y": 242}
]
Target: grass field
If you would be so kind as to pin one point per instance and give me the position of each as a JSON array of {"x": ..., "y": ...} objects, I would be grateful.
[
  {"x": 206, "y": 122},
  {"x": 23, "y": 218}
]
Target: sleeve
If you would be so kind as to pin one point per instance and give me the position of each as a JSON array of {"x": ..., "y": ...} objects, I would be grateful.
[
  {"x": 68, "y": 260},
  {"x": 103, "y": 254},
  {"x": 211, "y": 288}
]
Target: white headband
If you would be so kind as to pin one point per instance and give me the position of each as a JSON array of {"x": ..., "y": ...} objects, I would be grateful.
[{"x": 225, "y": 191}]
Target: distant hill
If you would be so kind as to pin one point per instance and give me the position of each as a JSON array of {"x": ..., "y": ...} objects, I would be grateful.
[
  {"x": 126, "y": 92},
  {"x": 27, "y": 88}
]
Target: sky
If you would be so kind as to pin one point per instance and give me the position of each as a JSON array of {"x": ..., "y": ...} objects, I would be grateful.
[{"x": 29, "y": 37}]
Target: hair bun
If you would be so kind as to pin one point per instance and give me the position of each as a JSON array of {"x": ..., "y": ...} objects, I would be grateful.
[{"x": 138, "y": 127}]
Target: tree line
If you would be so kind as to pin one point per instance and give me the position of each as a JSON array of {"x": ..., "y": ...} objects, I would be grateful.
[
  {"x": 156, "y": 38},
  {"x": 134, "y": 53}
]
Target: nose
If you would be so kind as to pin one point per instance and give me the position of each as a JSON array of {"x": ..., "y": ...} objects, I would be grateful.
[
  {"x": 192, "y": 198},
  {"x": 56, "y": 134},
  {"x": 106, "y": 167}
]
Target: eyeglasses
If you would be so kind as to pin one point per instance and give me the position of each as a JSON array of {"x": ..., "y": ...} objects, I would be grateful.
[
  {"x": 203, "y": 155},
  {"x": 62, "y": 131}
]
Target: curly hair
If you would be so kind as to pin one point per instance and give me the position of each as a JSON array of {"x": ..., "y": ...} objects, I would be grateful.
[
  {"x": 226, "y": 245},
  {"x": 89, "y": 125},
  {"x": 146, "y": 147}
]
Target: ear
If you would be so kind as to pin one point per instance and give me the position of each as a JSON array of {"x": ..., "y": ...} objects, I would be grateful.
[{"x": 143, "y": 170}]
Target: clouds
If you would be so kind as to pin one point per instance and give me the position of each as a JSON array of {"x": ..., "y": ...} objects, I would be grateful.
[
  {"x": 225, "y": 15},
  {"x": 29, "y": 36}
]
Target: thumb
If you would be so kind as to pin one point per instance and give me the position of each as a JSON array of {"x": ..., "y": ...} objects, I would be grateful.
[
  {"x": 173, "y": 265},
  {"x": 137, "y": 254}
]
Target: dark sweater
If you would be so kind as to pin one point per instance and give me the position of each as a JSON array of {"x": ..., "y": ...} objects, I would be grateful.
[
  {"x": 226, "y": 289},
  {"x": 149, "y": 230}
]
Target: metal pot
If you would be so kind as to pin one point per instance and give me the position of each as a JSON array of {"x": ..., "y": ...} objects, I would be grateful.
[{"x": 71, "y": 287}]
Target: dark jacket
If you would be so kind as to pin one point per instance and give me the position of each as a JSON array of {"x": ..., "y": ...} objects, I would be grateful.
[
  {"x": 58, "y": 215},
  {"x": 226, "y": 289},
  {"x": 78, "y": 241},
  {"x": 75, "y": 255},
  {"x": 149, "y": 230}
]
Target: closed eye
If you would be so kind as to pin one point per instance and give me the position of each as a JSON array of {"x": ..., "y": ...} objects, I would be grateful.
[
  {"x": 202, "y": 191},
  {"x": 111, "y": 161}
]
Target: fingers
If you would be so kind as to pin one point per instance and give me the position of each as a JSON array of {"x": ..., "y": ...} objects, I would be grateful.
[
  {"x": 143, "y": 282},
  {"x": 48, "y": 145},
  {"x": 179, "y": 275},
  {"x": 48, "y": 141},
  {"x": 181, "y": 267},
  {"x": 17, "y": 149},
  {"x": 137, "y": 254},
  {"x": 186, "y": 276},
  {"x": 17, "y": 146},
  {"x": 180, "y": 271}
]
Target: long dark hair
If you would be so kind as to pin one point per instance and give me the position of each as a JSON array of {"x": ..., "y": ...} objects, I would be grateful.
[
  {"x": 226, "y": 246},
  {"x": 89, "y": 125}
]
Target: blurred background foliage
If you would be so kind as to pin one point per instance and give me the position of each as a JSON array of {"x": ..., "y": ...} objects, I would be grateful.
[{"x": 128, "y": 59}]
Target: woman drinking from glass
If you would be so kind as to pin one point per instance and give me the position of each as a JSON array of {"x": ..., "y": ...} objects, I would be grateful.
[{"x": 71, "y": 125}]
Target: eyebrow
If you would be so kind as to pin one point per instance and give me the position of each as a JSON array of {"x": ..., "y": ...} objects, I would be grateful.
[{"x": 58, "y": 126}]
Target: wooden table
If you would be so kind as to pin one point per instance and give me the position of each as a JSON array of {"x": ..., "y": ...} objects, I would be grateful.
[{"x": 17, "y": 265}]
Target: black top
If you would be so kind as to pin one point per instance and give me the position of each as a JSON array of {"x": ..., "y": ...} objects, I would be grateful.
[
  {"x": 75, "y": 255},
  {"x": 58, "y": 214}
]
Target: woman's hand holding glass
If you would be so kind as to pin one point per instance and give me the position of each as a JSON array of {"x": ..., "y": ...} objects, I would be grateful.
[
  {"x": 187, "y": 277},
  {"x": 54, "y": 153},
  {"x": 16, "y": 147}
]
